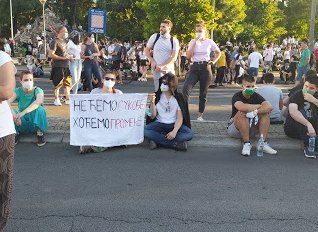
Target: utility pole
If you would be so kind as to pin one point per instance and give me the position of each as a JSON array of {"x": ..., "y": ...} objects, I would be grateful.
[
  {"x": 312, "y": 24},
  {"x": 212, "y": 33},
  {"x": 11, "y": 18}
]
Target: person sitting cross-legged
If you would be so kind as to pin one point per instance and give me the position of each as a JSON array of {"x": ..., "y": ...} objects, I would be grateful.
[
  {"x": 250, "y": 116},
  {"x": 302, "y": 119},
  {"x": 31, "y": 116},
  {"x": 171, "y": 128}
]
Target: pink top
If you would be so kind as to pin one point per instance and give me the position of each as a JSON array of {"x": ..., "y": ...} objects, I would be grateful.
[{"x": 203, "y": 49}]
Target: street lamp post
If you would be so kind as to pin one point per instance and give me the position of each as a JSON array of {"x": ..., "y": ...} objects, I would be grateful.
[
  {"x": 44, "y": 31},
  {"x": 11, "y": 19},
  {"x": 312, "y": 24},
  {"x": 212, "y": 32}
]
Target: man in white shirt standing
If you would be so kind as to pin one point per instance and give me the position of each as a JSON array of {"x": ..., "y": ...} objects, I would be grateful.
[
  {"x": 7, "y": 135},
  {"x": 254, "y": 59},
  {"x": 162, "y": 50},
  {"x": 268, "y": 57}
]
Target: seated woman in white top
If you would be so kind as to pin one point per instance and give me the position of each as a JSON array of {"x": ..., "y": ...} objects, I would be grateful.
[
  {"x": 171, "y": 128},
  {"x": 109, "y": 81}
]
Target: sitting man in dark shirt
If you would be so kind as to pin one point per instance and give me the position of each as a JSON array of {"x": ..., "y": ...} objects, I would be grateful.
[
  {"x": 250, "y": 116},
  {"x": 302, "y": 119},
  {"x": 285, "y": 72}
]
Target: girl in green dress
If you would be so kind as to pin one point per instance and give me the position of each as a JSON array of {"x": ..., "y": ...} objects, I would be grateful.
[{"x": 31, "y": 116}]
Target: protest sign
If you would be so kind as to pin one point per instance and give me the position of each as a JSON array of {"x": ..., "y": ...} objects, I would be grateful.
[{"x": 107, "y": 120}]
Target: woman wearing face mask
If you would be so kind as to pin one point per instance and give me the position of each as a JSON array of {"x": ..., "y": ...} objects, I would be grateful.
[
  {"x": 31, "y": 116},
  {"x": 90, "y": 53},
  {"x": 199, "y": 51},
  {"x": 109, "y": 82},
  {"x": 171, "y": 128},
  {"x": 74, "y": 50}
]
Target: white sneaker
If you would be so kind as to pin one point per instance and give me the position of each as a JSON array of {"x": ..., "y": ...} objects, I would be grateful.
[
  {"x": 267, "y": 149},
  {"x": 67, "y": 102},
  {"x": 246, "y": 151},
  {"x": 200, "y": 119},
  {"x": 57, "y": 102},
  {"x": 145, "y": 79}
]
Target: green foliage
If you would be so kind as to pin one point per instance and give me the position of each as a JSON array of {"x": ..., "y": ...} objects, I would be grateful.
[
  {"x": 264, "y": 21},
  {"x": 183, "y": 13},
  {"x": 23, "y": 12},
  {"x": 124, "y": 19},
  {"x": 232, "y": 15}
]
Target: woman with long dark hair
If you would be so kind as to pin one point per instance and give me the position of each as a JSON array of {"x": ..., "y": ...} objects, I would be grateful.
[
  {"x": 171, "y": 127},
  {"x": 90, "y": 53},
  {"x": 74, "y": 50}
]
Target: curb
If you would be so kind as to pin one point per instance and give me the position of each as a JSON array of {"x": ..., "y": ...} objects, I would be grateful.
[{"x": 207, "y": 141}]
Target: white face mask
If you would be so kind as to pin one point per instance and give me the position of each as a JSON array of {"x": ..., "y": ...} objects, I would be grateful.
[
  {"x": 200, "y": 35},
  {"x": 109, "y": 83},
  {"x": 164, "y": 88},
  {"x": 93, "y": 39},
  {"x": 27, "y": 85},
  {"x": 66, "y": 36}
]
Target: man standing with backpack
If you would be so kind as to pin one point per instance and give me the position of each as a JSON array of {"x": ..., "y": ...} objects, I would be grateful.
[{"x": 162, "y": 51}]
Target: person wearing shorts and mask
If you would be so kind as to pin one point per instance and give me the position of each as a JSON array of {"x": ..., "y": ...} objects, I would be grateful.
[{"x": 250, "y": 116}]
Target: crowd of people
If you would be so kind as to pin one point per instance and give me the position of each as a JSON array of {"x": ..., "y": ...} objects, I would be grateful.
[{"x": 168, "y": 125}]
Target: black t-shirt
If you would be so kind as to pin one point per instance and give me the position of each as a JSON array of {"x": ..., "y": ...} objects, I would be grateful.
[
  {"x": 255, "y": 99},
  {"x": 60, "y": 48},
  {"x": 310, "y": 109}
]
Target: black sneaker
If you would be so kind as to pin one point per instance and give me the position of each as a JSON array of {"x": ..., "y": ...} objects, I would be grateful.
[
  {"x": 309, "y": 154},
  {"x": 17, "y": 138},
  {"x": 41, "y": 140},
  {"x": 152, "y": 145},
  {"x": 181, "y": 146}
]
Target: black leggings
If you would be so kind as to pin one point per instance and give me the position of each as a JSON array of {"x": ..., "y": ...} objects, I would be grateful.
[{"x": 198, "y": 73}]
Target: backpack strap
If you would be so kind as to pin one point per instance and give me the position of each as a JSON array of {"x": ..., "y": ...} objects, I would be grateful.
[{"x": 158, "y": 36}]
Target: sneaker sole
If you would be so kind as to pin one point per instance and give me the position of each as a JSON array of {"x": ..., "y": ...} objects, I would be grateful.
[{"x": 41, "y": 144}]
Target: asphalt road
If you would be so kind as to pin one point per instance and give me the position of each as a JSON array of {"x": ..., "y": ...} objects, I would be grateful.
[{"x": 135, "y": 189}]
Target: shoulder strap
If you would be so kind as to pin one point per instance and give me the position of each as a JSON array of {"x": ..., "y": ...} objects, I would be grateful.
[
  {"x": 171, "y": 40},
  {"x": 157, "y": 37}
]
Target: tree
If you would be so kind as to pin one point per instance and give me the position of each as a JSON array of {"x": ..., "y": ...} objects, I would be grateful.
[
  {"x": 298, "y": 17},
  {"x": 264, "y": 21},
  {"x": 232, "y": 15},
  {"x": 124, "y": 19},
  {"x": 183, "y": 13},
  {"x": 22, "y": 11}
]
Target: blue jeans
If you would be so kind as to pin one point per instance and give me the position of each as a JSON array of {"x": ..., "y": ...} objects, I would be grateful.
[
  {"x": 253, "y": 72},
  {"x": 90, "y": 68},
  {"x": 301, "y": 71},
  {"x": 157, "y": 132}
]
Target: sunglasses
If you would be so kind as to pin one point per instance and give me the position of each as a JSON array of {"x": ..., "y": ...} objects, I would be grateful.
[{"x": 109, "y": 79}]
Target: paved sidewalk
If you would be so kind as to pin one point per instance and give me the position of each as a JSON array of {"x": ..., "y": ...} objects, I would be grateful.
[{"x": 206, "y": 134}]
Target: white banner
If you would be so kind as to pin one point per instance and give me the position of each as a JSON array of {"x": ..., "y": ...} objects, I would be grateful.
[{"x": 107, "y": 120}]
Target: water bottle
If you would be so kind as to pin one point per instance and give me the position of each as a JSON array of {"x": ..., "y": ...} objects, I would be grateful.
[
  {"x": 312, "y": 144},
  {"x": 148, "y": 112},
  {"x": 260, "y": 146}
]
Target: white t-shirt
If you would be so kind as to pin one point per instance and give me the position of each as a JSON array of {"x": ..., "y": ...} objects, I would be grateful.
[
  {"x": 142, "y": 55},
  {"x": 100, "y": 91},
  {"x": 167, "y": 109},
  {"x": 268, "y": 54},
  {"x": 203, "y": 49},
  {"x": 255, "y": 58},
  {"x": 163, "y": 49},
  {"x": 7, "y": 49},
  {"x": 110, "y": 49},
  {"x": 287, "y": 55},
  {"x": 6, "y": 119},
  {"x": 74, "y": 50}
]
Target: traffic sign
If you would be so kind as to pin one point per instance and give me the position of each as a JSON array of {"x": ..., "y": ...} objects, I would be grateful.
[{"x": 97, "y": 21}]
